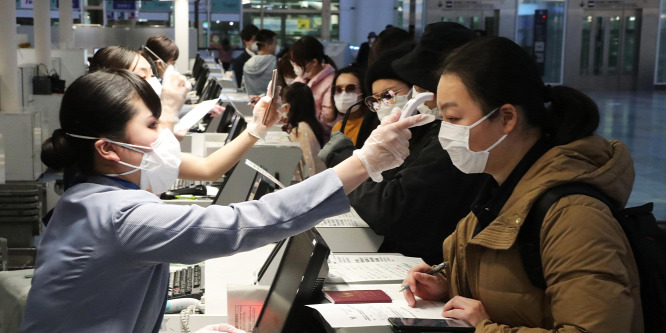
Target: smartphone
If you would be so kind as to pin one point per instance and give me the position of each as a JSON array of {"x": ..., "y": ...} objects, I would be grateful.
[
  {"x": 272, "y": 91},
  {"x": 429, "y": 325}
]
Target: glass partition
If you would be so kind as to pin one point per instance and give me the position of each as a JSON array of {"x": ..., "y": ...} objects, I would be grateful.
[{"x": 660, "y": 75}]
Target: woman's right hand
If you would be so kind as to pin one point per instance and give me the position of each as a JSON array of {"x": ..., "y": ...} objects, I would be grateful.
[
  {"x": 256, "y": 128},
  {"x": 425, "y": 286}
]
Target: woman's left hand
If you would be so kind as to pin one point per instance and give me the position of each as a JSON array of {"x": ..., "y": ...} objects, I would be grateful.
[{"x": 468, "y": 309}]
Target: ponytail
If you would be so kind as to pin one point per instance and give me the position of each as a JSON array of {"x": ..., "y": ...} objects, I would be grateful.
[
  {"x": 571, "y": 115},
  {"x": 328, "y": 60}
]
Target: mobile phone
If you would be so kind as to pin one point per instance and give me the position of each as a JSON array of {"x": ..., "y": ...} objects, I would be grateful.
[
  {"x": 429, "y": 325},
  {"x": 272, "y": 90}
]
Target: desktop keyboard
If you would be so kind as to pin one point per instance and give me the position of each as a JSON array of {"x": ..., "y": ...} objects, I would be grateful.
[{"x": 186, "y": 282}]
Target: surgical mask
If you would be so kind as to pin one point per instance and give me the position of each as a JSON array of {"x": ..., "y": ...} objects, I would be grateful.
[
  {"x": 155, "y": 84},
  {"x": 297, "y": 70},
  {"x": 288, "y": 81},
  {"x": 254, "y": 47},
  {"x": 385, "y": 109},
  {"x": 159, "y": 166},
  {"x": 424, "y": 109},
  {"x": 455, "y": 140},
  {"x": 344, "y": 100}
]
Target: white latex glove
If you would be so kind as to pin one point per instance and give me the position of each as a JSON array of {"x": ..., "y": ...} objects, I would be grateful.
[
  {"x": 220, "y": 328},
  {"x": 174, "y": 93},
  {"x": 388, "y": 145},
  {"x": 256, "y": 128}
]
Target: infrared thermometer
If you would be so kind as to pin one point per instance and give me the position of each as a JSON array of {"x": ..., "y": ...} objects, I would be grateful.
[{"x": 410, "y": 107}]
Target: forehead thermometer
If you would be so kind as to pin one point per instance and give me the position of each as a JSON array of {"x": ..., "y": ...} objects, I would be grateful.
[{"x": 410, "y": 107}]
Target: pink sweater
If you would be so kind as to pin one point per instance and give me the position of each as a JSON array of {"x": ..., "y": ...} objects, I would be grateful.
[{"x": 321, "y": 90}]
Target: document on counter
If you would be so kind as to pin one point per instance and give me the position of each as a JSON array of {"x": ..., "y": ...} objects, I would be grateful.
[
  {"x": 352, "y": 268},
  {"x": 375, "y": 314},
  {"x": 347, "y": 220},
  {"x": 195, "y": 115}
]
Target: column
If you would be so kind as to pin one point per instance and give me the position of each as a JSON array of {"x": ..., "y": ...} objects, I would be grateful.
[
  {"x": 66, "y": 25},
  {"x": 9, "y": 86},
  {"x": 181, "y": 17},
  {"x": 326, "y": 20},
  {"x": 42, "y": 16}
]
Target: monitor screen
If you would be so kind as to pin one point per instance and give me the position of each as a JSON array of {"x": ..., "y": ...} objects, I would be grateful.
[
  {"x": 238, "y": 125},
  {"x": 260, "y": 186},
  {"x": 298, "y": 281}
]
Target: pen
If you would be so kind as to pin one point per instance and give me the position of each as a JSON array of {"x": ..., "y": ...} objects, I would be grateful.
[{"x": 434, "y": 270}]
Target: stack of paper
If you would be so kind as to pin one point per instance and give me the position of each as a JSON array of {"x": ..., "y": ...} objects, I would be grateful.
[
  {"x": 349, "y": 233},
  {"x": 370, "y": 267}
]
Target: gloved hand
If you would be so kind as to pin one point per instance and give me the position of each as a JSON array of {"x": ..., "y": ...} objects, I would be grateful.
[
  {"x": 337, "y": 142},
  {"x": 174, "y": 93},
  {"x": 388, "y": 145},
  {"x": 220, "y": 328},
  {"x": 256, "y": 128}
]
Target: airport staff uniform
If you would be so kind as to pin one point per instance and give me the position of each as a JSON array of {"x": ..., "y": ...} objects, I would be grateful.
[{"x": 103, "y": 260}]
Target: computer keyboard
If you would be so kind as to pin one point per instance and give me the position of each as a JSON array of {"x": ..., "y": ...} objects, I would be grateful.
[{"x": 186, "y": 282}]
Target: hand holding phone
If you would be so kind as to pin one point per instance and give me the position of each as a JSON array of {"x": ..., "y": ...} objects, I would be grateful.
[
  {"x": 272, "y": 93},
  {"x": 429, "y": 325}
]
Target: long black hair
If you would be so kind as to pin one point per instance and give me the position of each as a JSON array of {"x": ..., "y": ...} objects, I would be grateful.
[
  {"x": 497, "y": 71},
  {"x": 98, "y": 104},
  {"x": 307, "y": 49},
  {"x": 302, "y": 108}
]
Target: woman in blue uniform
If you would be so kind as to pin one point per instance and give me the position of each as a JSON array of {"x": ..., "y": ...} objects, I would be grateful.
[{"x": 103, "y": 260}]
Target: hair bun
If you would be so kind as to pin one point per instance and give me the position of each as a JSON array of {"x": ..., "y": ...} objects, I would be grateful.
[{"x": 57, "y": 151}]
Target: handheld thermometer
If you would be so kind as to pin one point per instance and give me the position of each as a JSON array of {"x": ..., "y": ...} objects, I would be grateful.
[{"x": 410, "y": 106}]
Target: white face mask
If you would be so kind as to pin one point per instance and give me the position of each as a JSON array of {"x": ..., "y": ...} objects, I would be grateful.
[
  {"x": 288, "y": 81},
  {"x": 159, "y": 166},
  {"x": 344, "y": 100},
  {"x": 424, "y": 109},
  {"x": 155, "y": 84},
  {"x": 297, "y": 70},
  {"x": 254, "y": 47},
  {"x": 455, "y": 140},
  {"x": 386, "y": 109}
]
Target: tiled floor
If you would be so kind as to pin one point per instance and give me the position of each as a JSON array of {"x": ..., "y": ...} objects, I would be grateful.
[{"x": 639, "y": 120}]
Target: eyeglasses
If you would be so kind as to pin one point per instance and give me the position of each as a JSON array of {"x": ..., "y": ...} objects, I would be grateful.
[
  {"x": 350, "y": 88},
  {"x": 386, "y": 97}
]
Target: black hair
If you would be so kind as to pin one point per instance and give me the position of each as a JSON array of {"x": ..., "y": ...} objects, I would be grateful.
[
  {"x": 163, "y": 47},
  {"x": 302, "y": 108},
  {"x": 497, "y": 71},
  {"x": 146, "y": 55},
  {"x": 116, "y": 57},
  {"x": 98, "y": 104},
  {"x": 308, "y": 48},
  {"x": 358, "y": 73},
  {"x": 388, "y": 39},
  {"x": 248, "y": 32},
  {"x": 264, "y": 37},
  {"x": 285, "y": 69}
]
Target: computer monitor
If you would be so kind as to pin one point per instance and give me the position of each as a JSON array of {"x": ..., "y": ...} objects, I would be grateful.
[
  {"x": 226, "y": 119},
  {"x": 298, "y": 281},
  {"x": 201, "y": 79},
  {"x": 261, "y": 186},
  {"x": 238, "y": 125},
  {"x": 198, "y": 61},
  {"x": 266, "y": 273}
]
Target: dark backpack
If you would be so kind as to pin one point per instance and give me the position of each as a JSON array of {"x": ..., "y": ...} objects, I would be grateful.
[{"x": 647, "y": 240}]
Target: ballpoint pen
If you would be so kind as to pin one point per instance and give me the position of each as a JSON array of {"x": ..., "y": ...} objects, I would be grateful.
[{"x": 434, "y": 270}]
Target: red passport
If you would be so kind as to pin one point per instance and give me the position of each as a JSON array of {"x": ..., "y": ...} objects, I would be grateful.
[{"x": 357, "y": 296}]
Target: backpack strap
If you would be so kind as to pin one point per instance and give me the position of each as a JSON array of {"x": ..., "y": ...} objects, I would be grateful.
[{"x": 529, "y": 236}]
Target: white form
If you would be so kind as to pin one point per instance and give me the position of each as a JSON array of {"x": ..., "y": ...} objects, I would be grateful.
[
  {"x": 346, "y": 220},
  {"x": 376, "y": 314},
  {"x": 351, "y": 268},
  {"x": 195, "y": 115}
]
